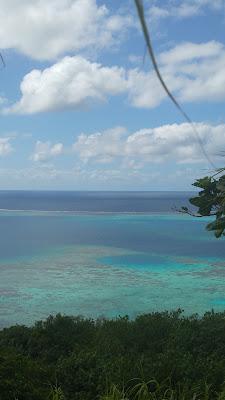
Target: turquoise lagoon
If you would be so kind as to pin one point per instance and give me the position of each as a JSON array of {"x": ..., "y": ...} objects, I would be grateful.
[{"x": 107, "y": 264}]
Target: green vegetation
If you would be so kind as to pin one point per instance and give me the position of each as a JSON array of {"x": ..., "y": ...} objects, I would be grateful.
[
  {"x": 210, "y": 202},
  {"x": 156, "y": 356}
]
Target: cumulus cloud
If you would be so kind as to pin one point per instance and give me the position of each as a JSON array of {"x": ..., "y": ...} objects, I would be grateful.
[
  {"x": 103, "y": 147},
  {"x": 73, "y": 82},
  {"x": 176, "y": 142},
  {"x": 45, "y": 151},
  {"x": 5, "y": 146},
  {"x": 46, "y": 29},
  {"x": 165, "y": 155},
  {"x": 194, "y": 72}
]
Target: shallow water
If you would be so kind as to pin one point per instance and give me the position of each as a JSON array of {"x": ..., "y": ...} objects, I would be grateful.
[{"x": 107, "y": 264}]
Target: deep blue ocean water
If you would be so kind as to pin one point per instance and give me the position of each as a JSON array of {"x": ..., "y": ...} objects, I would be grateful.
[
  {"x": 92, "y": 201},
  {"x": 105, "y": 253}
]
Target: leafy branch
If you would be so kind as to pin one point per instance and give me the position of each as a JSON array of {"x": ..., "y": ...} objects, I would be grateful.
[{"x": 210, "y": 202}]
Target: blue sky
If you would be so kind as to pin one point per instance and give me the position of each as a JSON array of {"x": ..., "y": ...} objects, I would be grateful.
[{"x": 80, "y": 110}]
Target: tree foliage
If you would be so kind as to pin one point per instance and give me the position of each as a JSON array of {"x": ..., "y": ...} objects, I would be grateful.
[
  {"x": 210, "y": 202},
  {"x": 161, "y": 356}
]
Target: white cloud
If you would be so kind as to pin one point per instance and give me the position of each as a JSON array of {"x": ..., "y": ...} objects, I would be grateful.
[
  {"x": 5, "y": 146},
  {"x": 45, "y": 151},
  {"x": 134, "y": 59},
  {"x": 46, "y": 175},
  {"x": 145, "y": 90},
  {"x": 165, "y": 156},
  {"x": 46, "y": 29},
  {"x": 176, "y": 142},
  {"x": 184, "y": 9},
  {"x": 193, "y": 72},
  {"x": 73, "y": 82},
  {"x": 188, "y": 51},
  {"x": 103, "y": 147}
]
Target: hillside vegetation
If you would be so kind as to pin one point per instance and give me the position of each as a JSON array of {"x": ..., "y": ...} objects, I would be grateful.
[{"x": 156, "y": 356}]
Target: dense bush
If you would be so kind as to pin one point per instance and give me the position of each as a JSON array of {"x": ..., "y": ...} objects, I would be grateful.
[{"x": 155, "y": 356}]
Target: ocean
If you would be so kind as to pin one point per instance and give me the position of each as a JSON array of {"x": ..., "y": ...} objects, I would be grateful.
[{"x": 105, "y": 254}]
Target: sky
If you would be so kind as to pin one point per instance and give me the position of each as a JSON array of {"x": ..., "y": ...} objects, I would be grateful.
[{"x": 81, "y": 107}]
